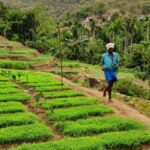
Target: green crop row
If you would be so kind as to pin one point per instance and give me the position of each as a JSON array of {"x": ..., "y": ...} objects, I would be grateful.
[
  {"x": 62, "y": 94},
  {"x": 66, "y": 102},
  {"x": 16, "y": 119},
  {"x": 80, "y": 112},
  {"x": 11, "y": 107},
  {"x": 3, "y": 79},
  {"x": 7, "y": 84},
  {"x": 11, "y": 64},
  {"x": 15, "y": 97},
  {"x": 118, "y": 140},
  {"x": 37, "y": 77},
  {"x": 24, "y": 133},
  {"x": 43, "y": 84},
  {"x": 98, "y": 125},
  {"x": 52, "y": 88},
  {"x": 10, "y": 90}
]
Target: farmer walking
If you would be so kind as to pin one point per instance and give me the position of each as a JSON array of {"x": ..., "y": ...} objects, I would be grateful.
[{"x": 109, "y": 63}]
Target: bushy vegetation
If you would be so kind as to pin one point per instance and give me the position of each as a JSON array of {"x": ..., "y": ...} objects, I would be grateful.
[
  {"x": 80, "y": 112},
  {"x": 83, "y": 36},
  {"x": 125, "y": 86},
  {"x": 130, "y": 139}
]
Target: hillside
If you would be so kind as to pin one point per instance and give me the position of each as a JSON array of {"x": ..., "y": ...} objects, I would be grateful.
[
  {"x": 16, "y": 55},
  {"x": 59, "y": 7},
  {"x": 56, "y": 8}
]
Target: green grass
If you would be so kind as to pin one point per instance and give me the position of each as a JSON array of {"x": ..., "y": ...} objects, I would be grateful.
[
  {"x": 52, "y": 88},
  {"x": 16, "y": 134},
  {"x": 62, "y": 94},
  {"x": 98, "y": 125},
  {"x": 71, "y": 64},
  {"x": 43, "y": 84},
  {"x": 21, "y": 97},
  {"x": 10, "y": 90},
  {"x": 3, "y": 79},
  {"x": 16, "y": 119},
  {"x": 66, "y": 102},
  {"x": 12, "y": 64},
  {"x": 118, "y": 140},
  {"x": 4, "y": 85},
  {"x": 38, "y": 77},
  {"x": 11, "y": 107},
  {"x": 80, "y": 112}
]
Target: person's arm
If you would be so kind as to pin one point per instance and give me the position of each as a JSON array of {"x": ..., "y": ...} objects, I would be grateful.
[{"x": 102, "y": 63}]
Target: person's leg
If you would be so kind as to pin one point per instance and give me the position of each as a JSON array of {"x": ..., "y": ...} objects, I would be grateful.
[
  {"x": 110, "y": 90},
  {"x": 106, "y": 89},
  {"x": 107, "y": 76}
]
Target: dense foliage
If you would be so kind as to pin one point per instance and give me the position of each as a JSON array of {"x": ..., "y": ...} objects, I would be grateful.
[{"x": 82, "y": 37}]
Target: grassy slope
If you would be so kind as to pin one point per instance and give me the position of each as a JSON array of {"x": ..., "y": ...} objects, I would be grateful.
[{"x": 15, "y": 55}]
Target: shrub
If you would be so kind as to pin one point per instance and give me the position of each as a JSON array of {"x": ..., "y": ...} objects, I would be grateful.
[{"x": 126, "y": 86}]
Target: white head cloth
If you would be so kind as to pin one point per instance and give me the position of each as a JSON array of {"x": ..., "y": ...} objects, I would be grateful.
[{"x": 110, "y": 45}]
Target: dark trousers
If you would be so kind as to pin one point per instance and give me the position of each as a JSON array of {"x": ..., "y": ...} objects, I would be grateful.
[{"x": 109, "y": 89}]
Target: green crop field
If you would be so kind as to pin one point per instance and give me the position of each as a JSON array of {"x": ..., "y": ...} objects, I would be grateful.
[{"x": 78, "y": 122}]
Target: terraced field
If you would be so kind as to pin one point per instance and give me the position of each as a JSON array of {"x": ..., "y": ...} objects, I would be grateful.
[
  {"x": 83, "y": 123},
  {"x": 16, "y": 124}
]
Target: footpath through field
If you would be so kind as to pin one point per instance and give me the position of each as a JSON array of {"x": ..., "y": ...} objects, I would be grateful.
[{"x": 122, "y": 108}]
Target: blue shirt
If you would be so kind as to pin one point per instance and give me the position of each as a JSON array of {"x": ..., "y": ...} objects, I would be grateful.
[{"x": 109, "y": 62}]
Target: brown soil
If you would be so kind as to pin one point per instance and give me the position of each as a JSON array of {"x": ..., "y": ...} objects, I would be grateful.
[
  {"x": 121, "y": 108},
  {"x": 40, "y": 113}
]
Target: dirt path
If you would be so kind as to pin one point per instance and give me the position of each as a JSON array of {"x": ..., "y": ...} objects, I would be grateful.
[
  {"x": 121, "y": 108},
  {"x": 39, "y": 112}
]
